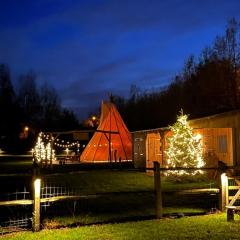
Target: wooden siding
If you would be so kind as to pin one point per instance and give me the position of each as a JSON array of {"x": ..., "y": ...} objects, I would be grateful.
[
  {"x": 223, "y": 120},
  {"x": 153, "y": 149},
  {"x": 217, "y": 145}
]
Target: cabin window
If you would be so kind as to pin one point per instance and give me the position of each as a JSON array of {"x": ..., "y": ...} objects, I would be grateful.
[{"x": 222, "y": 143}]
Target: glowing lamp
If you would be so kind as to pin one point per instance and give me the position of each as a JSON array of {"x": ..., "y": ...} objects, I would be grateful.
[
  {"x": 37, "y": 184},
  {"x": 224, "y": 179}
]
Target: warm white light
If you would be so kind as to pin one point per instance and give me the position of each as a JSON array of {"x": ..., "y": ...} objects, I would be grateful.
[
  {"x": 37, "y": 184},
  {"x": 224, "y": 179},
  {"x": 184, "y": 148},
  {"x": 198, "y": 137},
  {"x": 67, "y": 150},
  {"x": 43, "y": 151}
]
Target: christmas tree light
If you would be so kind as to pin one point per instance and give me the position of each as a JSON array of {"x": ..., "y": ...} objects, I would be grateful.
[
  {"x": 184, "y": 147},
  {"x": 39, "y": 149},
  {"x": 43, "y": 151}
]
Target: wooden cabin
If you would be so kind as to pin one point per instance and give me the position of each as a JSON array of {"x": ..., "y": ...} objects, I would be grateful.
[{"x": 220, "y": 140}]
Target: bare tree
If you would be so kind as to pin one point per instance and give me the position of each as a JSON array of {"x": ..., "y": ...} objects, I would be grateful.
[{"x": 29, "y": 98}]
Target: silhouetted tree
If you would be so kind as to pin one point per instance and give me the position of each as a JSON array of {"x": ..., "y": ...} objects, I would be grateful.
[
  {"x": 10, "y": 119},
  {"x": 50, "y": 107},
  {"x": 8, "y": 105},
  {"x": 29, "y": 99},
  {"x": 207, "y": 86},
  {"x": 68, "y": 120}
]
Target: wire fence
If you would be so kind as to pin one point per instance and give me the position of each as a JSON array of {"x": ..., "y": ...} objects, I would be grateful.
[
  {"x": 52, "y": 190},
  {"x": 71, "y": 200},
  {"x": 15, "y": 225},
  {"x": 17, "y": 195}
]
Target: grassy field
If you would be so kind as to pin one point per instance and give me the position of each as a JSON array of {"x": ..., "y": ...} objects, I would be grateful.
[
  {"x": 15, "y": 164},
  {"x": 122, "y": 195},
  {"x": 97, "y": 181},
  {"x": 200, "y": 227}
]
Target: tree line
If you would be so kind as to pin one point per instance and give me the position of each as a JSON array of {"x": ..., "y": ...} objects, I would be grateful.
[
  {"x": 206, "y": 85},
  {"x": 28, "y": 109}
]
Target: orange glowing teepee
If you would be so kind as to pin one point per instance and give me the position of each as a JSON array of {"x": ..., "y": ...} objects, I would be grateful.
[{"x": 112, "y": 142}]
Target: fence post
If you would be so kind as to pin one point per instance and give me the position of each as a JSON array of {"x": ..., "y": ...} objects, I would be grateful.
[
  {"x": 36, "y": 204},
  {"x": 223, "y": 196},
  {"x": 158, "y": 190},
  {"x": 226, "y": 192},
  {"x": 223, "y": 186}
]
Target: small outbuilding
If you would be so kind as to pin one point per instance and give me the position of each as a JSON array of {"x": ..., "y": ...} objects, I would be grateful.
[{"x": 220, "y": 140}]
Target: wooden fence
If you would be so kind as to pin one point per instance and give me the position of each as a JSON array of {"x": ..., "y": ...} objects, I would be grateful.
[
  {"x": 231, "y": 195},
  {"x": 53, "y": 193}
]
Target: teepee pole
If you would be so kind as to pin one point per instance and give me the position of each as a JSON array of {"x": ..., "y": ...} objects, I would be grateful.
[{"x": 110, "y": 136}]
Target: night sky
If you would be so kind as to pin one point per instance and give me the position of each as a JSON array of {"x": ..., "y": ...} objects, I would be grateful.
[{"x": 87, "y": 49}]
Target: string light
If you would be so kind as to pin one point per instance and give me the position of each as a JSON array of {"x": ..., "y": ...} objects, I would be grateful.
[
  {"x": 43, "y": 151},
  {"x": 63, "y": 144},
  {"x": 67, "y": 145},
  {"x": 184, "y": 147}
]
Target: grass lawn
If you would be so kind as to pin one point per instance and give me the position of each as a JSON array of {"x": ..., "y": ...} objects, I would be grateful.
[
  {"x": 116, "y": 203},
  {"x": 101, "y": 181},
  {"x": 110, "y": 217},
  {"x": 200, "y": 227},
  {"x": 20, "y": 164}
]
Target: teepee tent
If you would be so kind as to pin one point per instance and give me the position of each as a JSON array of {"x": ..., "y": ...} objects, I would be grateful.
[{"x": 112, "y": 141}]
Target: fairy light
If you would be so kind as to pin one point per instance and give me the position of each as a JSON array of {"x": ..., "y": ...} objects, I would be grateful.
[
  {"x": 43, "y": 151},
  {"x": 69, "y": 145},
  {"x": 184, "y": 147},
  {"x": 67, "y": 151},
  {"x": 48, "y": 151},
  {"x": 39, "y": 149}
]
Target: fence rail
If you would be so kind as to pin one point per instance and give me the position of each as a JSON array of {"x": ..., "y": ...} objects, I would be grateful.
[
  {"x": 219, "y": 168},
  {"x": 16, "y": 202},
  {"x": 51, "y": 193},
  {"x": 233, "y": 192}
]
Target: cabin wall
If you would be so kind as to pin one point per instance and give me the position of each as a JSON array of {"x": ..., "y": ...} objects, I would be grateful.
[
  {"x": 217, "y": 145},
  {"x": 227, "y": 120},
  {"x": 220, "y": 139}
]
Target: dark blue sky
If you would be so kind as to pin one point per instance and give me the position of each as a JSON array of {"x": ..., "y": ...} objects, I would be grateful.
[{"x": 87, "y": 49}]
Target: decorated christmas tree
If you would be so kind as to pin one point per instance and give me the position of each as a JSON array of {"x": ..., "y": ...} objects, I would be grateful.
[{"x": 184, "y": 148}]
